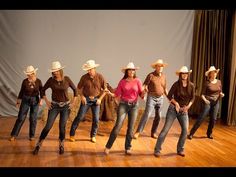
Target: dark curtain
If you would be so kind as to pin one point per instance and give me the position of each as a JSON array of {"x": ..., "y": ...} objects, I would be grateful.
[{"x": 212, "y": 45}]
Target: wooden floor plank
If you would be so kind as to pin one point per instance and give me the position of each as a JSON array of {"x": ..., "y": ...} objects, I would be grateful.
[{"x": 200, "y": 151}]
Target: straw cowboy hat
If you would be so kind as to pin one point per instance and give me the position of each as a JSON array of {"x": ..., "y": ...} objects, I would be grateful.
[
  {"x": 89, "y": 65},
  {"x": 130, "y": 65},
  {"x": 56, "y": 66},
  {"x": 212, "y": 68},
  {"x": 183, "y": 69},
  {"x": 158, "y": 62},
  {"x": 30, "y": 70}
]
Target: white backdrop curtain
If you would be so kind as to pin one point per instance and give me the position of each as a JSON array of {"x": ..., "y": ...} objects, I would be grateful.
[{"x": 111, "y": 37}]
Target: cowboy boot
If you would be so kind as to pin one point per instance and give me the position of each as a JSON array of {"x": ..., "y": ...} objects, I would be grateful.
[
  {"x": 61, "y": 146},
  {"x": 38, "y": 145}
]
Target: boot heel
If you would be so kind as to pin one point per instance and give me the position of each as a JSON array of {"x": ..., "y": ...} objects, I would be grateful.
[
  {"x": 36, "y": 150},
  {"x": 61, "y": 150}
]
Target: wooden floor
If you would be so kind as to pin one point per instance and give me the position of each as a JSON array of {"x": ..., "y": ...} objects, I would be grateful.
[{"x": 200, "y": 151}]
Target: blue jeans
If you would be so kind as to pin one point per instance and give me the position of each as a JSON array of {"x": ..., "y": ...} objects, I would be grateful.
[
  {"x": 151, "y": 104},
  {"x": 124, "y": 108},
  {"x": 170, "y": 117},
  {"x": 211, "y": 109},
  {"x": 27, "y": 103},
  {"x": 81, "y": 113},
  {"x": 52, "y": 114}
]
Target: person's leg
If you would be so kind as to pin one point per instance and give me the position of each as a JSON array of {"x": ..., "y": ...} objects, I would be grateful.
[
  {"x": 80, "y": 115},
  {"x": 23, "y": 110},
  {"x": 121, "y": 114},
  {"x": 52, "y": 114},
  {"x": 213, "y": 117},
  {"x": 170, "y": 117},
  {"x": 64, "y": 114},
  {"x": 184, "y": 123},
  {"x": 33, "y": 119},
  {"x": 95, "y": 112},
  {"x": 199, "y": 120},
  {"x": 147, "y": 113},
  {"x": 158, "y": 106},
  {"x": 132, "y": 115}
]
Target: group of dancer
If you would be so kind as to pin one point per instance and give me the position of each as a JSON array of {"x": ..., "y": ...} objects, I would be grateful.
[{"x": 92, "y": 87}]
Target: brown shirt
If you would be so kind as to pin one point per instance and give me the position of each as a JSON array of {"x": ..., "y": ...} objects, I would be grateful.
[
  {"x": 91, "y": 86},
  {"x": 30, "y": 88},
  {"x": 156, "y": 84},
  {"x": 212, "y": 91},
  {"x": 59, "y": 89},
  {"x": 182, "y": 97}
]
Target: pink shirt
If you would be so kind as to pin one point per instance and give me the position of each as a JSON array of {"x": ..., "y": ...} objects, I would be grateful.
[{"x": 129, "y": 90}]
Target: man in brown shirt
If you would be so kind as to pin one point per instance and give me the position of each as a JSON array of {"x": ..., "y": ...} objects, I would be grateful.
[
  {"x": 155, "y": 85},
  {"x": 90, "y": 87}
]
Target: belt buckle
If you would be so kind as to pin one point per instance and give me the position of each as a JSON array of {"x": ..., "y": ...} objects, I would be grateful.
[{"x": 91, "y": 97}]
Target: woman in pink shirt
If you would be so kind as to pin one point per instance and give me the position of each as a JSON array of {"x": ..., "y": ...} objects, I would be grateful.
[{"x": 127, "y": 92}]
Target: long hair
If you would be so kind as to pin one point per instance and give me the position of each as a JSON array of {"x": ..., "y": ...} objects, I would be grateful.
[
  {"x": 181, "y": 88},
  {"x": 61, "y": 73},
  {"x": 126, "y": 74},
  {"x": 208, "y": 76}
]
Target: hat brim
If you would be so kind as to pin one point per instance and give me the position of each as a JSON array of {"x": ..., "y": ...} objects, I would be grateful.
[
  {"x": 160, "y": 64},
  {"x": 207, "y": 72},
  {"x": 54, "y": 70},
  {"x": 85, "y": 68},
  {"x": 178, "y": 72},
  {"x": 124, "y": 69},
  {"x": 28, "y": 73}
]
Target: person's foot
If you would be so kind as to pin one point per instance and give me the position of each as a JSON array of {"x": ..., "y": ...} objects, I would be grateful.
[
  {"x": 190, "y": 137},
  {"x": 106, "y": 151},
  {"x": 136, "y": 135},
  {"x": 31, "y": 138},
  {"x": 154, "y": 135},
  {"x": 12, "y": 138},
  {"x": 210, "y": 136},
  {"x": 157, "y": 154},
  {"x": 93, "y": 139},
  {"x": 72, "y": 139},
  {"x": 61, "y": 150},
  {"x": 36, "y": 150},
  {"x": 128, "y": 152},
  {"x": 181, "y": 153}
]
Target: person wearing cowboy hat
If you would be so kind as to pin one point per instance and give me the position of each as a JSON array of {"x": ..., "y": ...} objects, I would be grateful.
[
  {"x": 127, "y": 91},
  {"x": 181, "y": 97},
  {"x": 60, "y": 103},
  {"x": 90, "y": 86},
  {"x": 28, "y": 99},
  {"x": 155, "y": 86},
  {"x": 211, "y": 94}
]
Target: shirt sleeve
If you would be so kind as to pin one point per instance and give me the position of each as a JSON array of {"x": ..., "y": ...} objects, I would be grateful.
[
  {"x": 45, "y": 87},
  {"x": 118, "y": 91},
  {"x": 72, "y": 86},
  {"x": 104, "y": 83},
  {"x": 40, "y": 87},
  {"x": 147, "y": 80},
  {"x": 80, "y": 84},
  {"x": 204, "y": 88},
  {"x": 172, "y": 91},
  {"x": 193, "y": 93},
  {"x": 140, "y": 87},
  {"x": 22, "y": 89}
]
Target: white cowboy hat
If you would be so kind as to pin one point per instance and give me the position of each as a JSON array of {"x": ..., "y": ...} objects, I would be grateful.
[
  {"x": 158, "y": 62},
  {"x": 30, "y": 69},
  {"x": 56, "y": 66},
  {"x": 89, "y": 65},
  {"x": 183, "y": 69},
  {"x": 130, "y": 65},
  {"x": 212, "y": 68}
]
